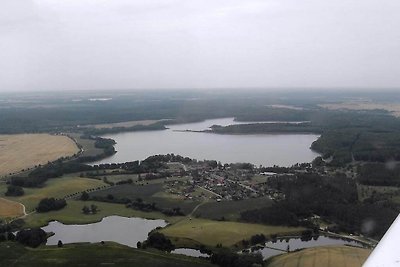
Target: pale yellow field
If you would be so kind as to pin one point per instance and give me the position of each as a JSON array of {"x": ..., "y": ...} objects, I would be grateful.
[
  {"x": 22, "y": 151},
  {"x": 329, "y": 256},
  {"x": 124, "y": 124},
  {"x": 393, "y": 108},
  {"x": 10, "y": 209},
  {"x": 227, "y": 233}
]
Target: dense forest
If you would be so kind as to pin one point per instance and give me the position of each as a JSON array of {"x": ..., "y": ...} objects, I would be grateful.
[
  {"x": 379, "y": 174},
  {"x": 44, "y": 113},
  {"x": 333, "y": 198}
]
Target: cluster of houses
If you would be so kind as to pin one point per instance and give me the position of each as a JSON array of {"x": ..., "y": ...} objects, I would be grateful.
[{"x": 220, "y": 184}]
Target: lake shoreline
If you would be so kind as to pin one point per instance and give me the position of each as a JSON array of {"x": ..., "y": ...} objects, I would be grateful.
[{"x": 195, "y": 141}]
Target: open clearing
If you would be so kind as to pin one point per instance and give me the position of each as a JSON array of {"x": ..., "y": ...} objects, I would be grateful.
[
  {"x": 366, "y": 191},
  {"x": 329, "y": 256},
  {"x": 22, "y": 151},
  {"x": 393, "y": 108},
  {"x": 57, "y": 188},
  {"x": 88, "y": 145},
  {"x": 230, "y": 210},
  {"x": 10, "y": 209},
  {"x": 228, "y": 234},
  {"x": 109, "y": 254}
]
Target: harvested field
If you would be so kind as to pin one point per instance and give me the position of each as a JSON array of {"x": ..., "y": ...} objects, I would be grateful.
[
  {"x": 211, "y": 233},
  {"x": 393, "y": 108},
  {"x": 329, "y": 256},
  {"x": 22, "y": 151},
  {"x": 10, "y": 209}
]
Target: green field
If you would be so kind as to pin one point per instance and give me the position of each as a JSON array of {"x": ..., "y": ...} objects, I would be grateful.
[
  {"x": 366, "y": 191},
  {"x": 57, "y": 188},
  {"x": 329, "y": 256},
  {"x": 230, "y": 210},
  {"x": 109, "y": 254},
  {"x": 72, "y": 214},
  {"x": 89, "y": 150},
  {"x": 121, "y": 177},
  {"x": 211, "y": 233},
  {"x": 150, "y": 193}
]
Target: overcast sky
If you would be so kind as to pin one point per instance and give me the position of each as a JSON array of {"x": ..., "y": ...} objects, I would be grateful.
[{"x": 107, "y": 44}]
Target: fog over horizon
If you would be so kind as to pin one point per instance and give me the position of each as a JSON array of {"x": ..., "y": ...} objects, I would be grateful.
[{"x": 132, "y": 44}]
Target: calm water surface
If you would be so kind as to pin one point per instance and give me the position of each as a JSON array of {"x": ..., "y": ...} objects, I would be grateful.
[
  {"x": 126, "y": 231},
  {"x": 190, "y": 252},
  {"x": 280, "y": 247},
  {"x": 259, "y": 149}
]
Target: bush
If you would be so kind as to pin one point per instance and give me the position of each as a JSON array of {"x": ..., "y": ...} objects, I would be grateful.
[
  {"x": 49, "y": 204},
  {"x": 159, "y": 241},
  {"x": 14, "y": 191},
  {"x": 31, "y": 237},
  {"x": 84, "y": 196}
]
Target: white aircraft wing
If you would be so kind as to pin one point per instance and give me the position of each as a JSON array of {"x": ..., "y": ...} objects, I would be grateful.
[{"x": 387, "y": 252}]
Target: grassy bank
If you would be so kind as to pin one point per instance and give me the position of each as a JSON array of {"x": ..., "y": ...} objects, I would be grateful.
[
  {"x": 329, "y": 256},
  {"x": 13, "y": 254}
]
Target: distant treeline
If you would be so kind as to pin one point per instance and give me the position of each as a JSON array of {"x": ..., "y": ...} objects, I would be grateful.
[
  {"x": 58, "y": 168},
  {"x": 150, "y": 164},
  {"x": 101, "y": 131},
  {"x": 333, "y": 198},
  {"x": 255, "y": 128},
  {"x": 41, "y": 174},
  {"x": 59, "y": 115}
]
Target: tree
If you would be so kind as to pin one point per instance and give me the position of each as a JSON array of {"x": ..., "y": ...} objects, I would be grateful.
[
  {"x": 15, "y": 191},
  {"x": 60, "y": 244},
  {"x": 159, "y": 241},
  {"x": 10, "y": 236},
  {"x": 84, "y": 196},
  {"x": 85, "y": 210},
  {"x": 93, "y": 208},
  {"x": 32, "y": 237},
  {"x": 48, "y": 204}
]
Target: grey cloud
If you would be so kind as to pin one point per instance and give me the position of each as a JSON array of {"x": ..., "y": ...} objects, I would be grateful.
[{"x": 93, "y": 44}]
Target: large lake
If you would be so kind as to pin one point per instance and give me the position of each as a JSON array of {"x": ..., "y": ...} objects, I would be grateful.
[
  {"x": 126, "y": 231},
  {"x": 259, "y": 149}
]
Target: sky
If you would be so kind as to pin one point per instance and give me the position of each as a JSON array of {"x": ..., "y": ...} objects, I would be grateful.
[{"x": 132, "y": 44}]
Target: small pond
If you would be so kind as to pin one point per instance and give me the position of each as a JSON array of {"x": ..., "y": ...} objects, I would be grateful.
[
  {"x": 190, "y": 252},
  {"x": 126, "y": 231},
  {"x": 280, "y": 246}
]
